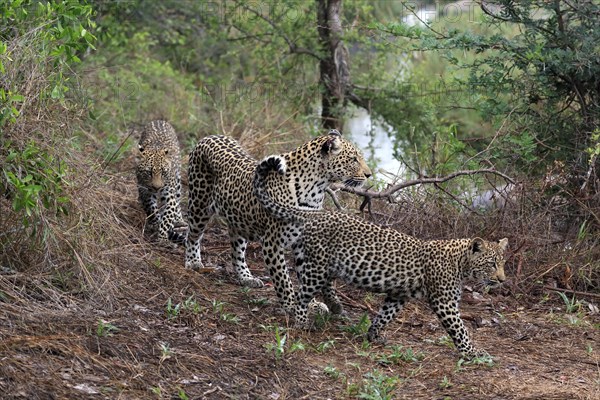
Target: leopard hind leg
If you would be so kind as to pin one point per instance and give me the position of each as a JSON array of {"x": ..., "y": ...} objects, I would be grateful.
[{"x": 238, "y": 259}]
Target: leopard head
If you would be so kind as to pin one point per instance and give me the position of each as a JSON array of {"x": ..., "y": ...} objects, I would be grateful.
[
  {"x": 342, "y": 161},
  {"x": 486, "y": 261},
  {"x": 154, "y": 167}
]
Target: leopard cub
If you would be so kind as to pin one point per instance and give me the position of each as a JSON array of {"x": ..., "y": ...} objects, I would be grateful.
[
  {"x": 381, "y": 260},
  {"x": 159, "y": 181}
]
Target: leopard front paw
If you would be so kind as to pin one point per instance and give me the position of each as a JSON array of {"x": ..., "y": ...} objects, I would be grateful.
[
  {"x": 198, "y": 266},
  {"x": 316, "y": 307},
  {"x": 476, "y": 353},
  {"x": 252, "y": 282},
  {"x": 375, "y": 337}
]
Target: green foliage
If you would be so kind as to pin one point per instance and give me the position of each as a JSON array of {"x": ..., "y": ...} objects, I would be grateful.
[
  {"x": 105, "y": 328},
  {"x": 572, "y": 305},
  {"x": 399, "y": 354},
  {"x": 594, "y": 149},
  {"x": 165, "y": 351},
  {"x": 535, "y": 65},
  {"x": 325, "y": 345},
  {"x": 445, "y": 383},
  {"x": 182, "y": 395},
  {"x": 38, "y": 43},
  {"x": 333, "y": 372},
  {"x": 487, "y": 361},
  {"x": 173, "y": 310},
  {"x": 297, "y": 346},
  {"x": 218, "y": 308},
  {"x": 64, "y": 37},
  {"x": 188, "y": 309},
  {"x": 33, "y": 179},
  {"x": 359, "y": 329},
  {"x": 278, "y": 348},
  {"x": 378, "y": 386},
  {"x": 196, "y": 55}
]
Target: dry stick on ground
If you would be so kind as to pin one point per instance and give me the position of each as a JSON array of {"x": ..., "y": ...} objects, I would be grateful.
[
  {"x": 597, "y": 296},
  {"x": 369, "y": 194},
  {"x": 353, "y": 303}
]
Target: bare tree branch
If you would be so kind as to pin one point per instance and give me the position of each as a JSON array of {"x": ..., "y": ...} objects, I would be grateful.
[
  {"x": 294, "y": 49},
  {"x": 334, "y": 198},
  {"x": 388, "y": 192}
]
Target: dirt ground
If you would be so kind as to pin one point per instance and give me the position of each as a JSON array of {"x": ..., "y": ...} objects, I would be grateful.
[{"x": 216, "y": 340}]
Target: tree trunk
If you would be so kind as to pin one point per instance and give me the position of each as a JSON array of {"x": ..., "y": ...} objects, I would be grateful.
[{"x": 334, "y": 71}]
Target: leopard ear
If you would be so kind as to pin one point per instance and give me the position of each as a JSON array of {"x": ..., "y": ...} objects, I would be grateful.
[
  {"x": 477, "y": 245},
  {"x": 141, "y": 148},
  {"x": 332, "y": 146},
  {"x": 503, "y": 244}
]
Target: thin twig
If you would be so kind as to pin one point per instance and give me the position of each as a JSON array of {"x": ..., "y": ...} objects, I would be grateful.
[
  {"x": 594, "y": 295},
  {"x": 353, "y": 303},
  {"x": 373, "y": 194},
  {"x": 334, "y": 198}
]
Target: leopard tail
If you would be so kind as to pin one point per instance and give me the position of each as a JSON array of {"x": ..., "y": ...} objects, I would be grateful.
[{"x": 279, "y": 211}]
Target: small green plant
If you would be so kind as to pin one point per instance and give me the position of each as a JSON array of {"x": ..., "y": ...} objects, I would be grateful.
[
  {"x": 445, "y": 341},
  {"x": 260, "y": 302},
  {"x": 245, "y": 290},
  {"x": 378, "y": 386},
  {"x": 297, "y": 346},
  {"x": 365, "y": 344},
  {"x": 589, "y": 349},
  {"x": 400, "y": 354},
  {"x": 217, "y": 306},
  {"x": 445, "y": 383},
  {"x": 228, "y": 317},
  {"x": 321, "y": 319},
  {"x": 486, "y": 360},
  {"x": 173, "y": 310},
  {"x": 156, "y": 390},
  {"x": 105, "y": 328},
  {"x": 332, "y": 372},
  {"x": 324, "y": 346},
  {"x": 278, "y": 348},
  {"x": 354, "y": 365},
  {"x": 182, "y": 395},
  {"x": 501, "y": 316},
  {"x": 359, "y": 329},
  {"x": 165, "y": 351},
  {"x": 571, "y": 305},
  {"x": 268, "y": 328},
  {"x": 191, "y": 304}
]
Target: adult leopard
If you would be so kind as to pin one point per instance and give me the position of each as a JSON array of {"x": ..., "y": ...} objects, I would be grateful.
[
  {"x": 382, "y": 260},
  {"x": 159, "y": 180},
  {"x": 220, "y": 182}
]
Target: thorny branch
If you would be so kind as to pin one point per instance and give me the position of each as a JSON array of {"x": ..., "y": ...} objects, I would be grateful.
[{"x": 370, "y": 194}]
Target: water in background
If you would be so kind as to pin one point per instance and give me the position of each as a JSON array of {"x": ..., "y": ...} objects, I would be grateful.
[{"x": 373, "y": 137}]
